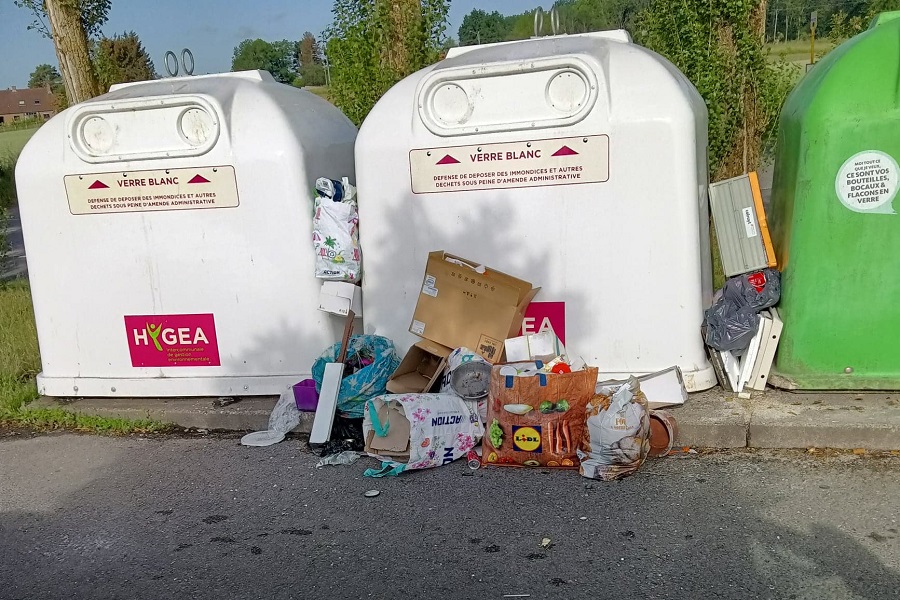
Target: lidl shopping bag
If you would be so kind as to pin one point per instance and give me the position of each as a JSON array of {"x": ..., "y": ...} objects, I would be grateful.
[
  {"x": 418, "y": 431},
  {"x": 537, "y": 421}
]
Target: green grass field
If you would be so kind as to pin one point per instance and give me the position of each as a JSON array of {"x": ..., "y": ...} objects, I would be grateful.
[
  {"x": 20, "y": 362},
  {"x": 797, "y": 51},
  {"x": 12, "y": 142},
  {"x": 19, "y": 358},
  {"x": 319, "y": 90}
]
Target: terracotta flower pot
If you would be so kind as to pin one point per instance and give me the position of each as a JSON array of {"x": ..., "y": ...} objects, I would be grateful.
[{"x": 663, "y": 430}]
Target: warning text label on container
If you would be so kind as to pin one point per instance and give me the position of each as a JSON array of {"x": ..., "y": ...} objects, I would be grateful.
[
  {"x": 163, "y": 189},
  {"x": 561, "y": 161}
]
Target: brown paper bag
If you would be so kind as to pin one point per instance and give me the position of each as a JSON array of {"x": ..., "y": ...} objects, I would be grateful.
[{"x": 537, "y": 438}]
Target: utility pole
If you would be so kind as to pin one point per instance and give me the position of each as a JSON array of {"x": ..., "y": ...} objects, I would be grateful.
[
  {"x": 775, "y": 35},
  {"x": 813, "y": 18}
]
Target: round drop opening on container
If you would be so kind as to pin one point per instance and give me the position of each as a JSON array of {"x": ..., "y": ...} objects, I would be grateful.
[{"x": 567, "y": 91}]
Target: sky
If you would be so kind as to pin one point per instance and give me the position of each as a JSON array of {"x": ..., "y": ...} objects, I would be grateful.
[{"x": 210, "y": 30}]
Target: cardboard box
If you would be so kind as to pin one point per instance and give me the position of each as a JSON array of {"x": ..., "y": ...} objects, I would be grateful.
[
  {"x": 662, "y": 388},
  {"x": 340, "y": 297},
  {"x": 463, "y": 304},
  {"x": 422, "y": 366}
]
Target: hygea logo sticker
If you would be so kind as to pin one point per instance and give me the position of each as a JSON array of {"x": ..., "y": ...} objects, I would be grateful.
[{"x": 172, "y": 340}]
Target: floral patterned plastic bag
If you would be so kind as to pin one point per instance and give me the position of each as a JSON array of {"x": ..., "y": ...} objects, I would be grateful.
[{"x": 442, "y": 428}]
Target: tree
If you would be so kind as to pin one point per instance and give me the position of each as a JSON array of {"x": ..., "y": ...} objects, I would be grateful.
[
  {"x": 276, "y": 58},
  {"x": 44, "y": 75},
  {"x": 312, "y": 75},
  {"x": 479, "y": 27},
  {"x": 122, "y": 59},
  {"x": 719, "y": 47},
  {"x": 69, "y": 23},
  {"x": 373, "y": 44},
  {"x": 308, "y": 51}
]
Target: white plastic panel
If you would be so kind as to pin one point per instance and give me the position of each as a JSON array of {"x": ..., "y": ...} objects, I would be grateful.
[
  {"x": 141, "y": 128},
  {"x": 549, "y": 92}
]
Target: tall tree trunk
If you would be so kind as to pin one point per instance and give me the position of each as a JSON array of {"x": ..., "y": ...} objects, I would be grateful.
[{"x": 71, "y": 45}]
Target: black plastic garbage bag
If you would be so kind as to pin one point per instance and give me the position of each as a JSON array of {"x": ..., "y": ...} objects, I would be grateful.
[
  {"x": 730, "y": 325},
  {"x": 759, "y": 290}
]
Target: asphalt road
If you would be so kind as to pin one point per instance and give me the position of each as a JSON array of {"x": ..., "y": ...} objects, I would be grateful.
[{"x": 96, "y": 517}]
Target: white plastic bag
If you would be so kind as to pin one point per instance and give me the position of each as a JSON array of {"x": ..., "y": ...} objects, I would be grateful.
[
  {"x": 284, "y": 418},
  {"x": 336, "y": 235},
  {"x": 442, "y": 428},
  {"x": 617, "y": 437}
]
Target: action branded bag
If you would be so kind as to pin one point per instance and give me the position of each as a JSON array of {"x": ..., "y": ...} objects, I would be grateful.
[
  {"x": 336, "y": 232},
  {"x": 418, "y": 431}
]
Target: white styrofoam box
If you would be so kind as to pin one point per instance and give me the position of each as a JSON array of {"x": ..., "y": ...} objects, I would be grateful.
[
  {"x": 537, "y": 346},
  {"x": 769, "y": 345},
  {"x": 577, "y": 163},
  {"x": 168, "y": 231},
  {"x": 340, "y": 297}
]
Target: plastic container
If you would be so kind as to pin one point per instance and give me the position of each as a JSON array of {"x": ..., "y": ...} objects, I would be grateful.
[
  {"x": 577, "y": 163},
  {"x": 834, "y": 218},
  {"x": 306, "y": 395},
  {"x": 161, "y": 226}
]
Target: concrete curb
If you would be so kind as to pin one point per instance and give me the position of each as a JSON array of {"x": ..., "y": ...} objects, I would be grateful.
[
  {"x": 248, "y": 414},
  {"x": 712, "y": 419}
]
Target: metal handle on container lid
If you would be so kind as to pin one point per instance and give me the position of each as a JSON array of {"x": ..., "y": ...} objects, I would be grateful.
[{"x": 538, "y": 21}]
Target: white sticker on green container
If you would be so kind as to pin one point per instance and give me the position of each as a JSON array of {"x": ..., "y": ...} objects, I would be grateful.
[{"x": 868, "y": 182}]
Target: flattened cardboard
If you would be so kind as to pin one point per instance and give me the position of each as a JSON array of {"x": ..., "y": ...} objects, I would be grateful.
[
  {"x": 463, "y": 304},
  {"x": 422, "y": 366},
  {"x": 396, "y": 443}
]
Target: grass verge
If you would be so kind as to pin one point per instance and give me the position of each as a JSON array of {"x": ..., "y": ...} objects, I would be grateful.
[{"x": 19, "y": 364}]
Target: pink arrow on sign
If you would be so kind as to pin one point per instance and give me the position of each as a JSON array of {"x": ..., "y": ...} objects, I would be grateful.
[
  {"x": 198, "y": 179},
  {"x": 98, "y": 185},
  {"x": 448, "y": 160},
  {"x": 565, "y": 151}
]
